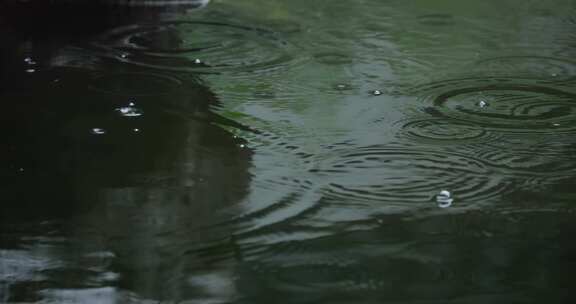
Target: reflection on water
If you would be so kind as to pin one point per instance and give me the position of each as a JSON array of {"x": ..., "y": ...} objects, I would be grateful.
[{"x": 287, "y": 151}]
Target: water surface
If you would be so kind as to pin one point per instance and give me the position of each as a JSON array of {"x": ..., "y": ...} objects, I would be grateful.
[{"x": 289, "y": 151}]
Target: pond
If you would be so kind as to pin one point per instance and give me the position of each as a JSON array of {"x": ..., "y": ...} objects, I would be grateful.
[{"x": 288, "y": 151}]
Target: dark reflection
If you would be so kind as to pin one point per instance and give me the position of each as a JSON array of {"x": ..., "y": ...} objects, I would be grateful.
[
  {"x": 112, "y": 174},
  {"x": 479, "y": 257}
]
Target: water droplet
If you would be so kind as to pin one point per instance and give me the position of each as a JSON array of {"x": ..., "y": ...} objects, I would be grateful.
[
  {"x": 20, "y": 169},
  {"x": 136, "y": 130},
  {"x": 124, "y": 55},
  {"x": 444, "y": 199},
  {"x": 554, "y": 75},
  {"x": 242, "y": 146},
  {"x": 129, "y": 111},
  {"x": 30, "y": 70},
  {"x": 482, "y": 104},
  {"x": 555, "y": 124},
  {"x": 29, "y": 61},
  {"x": 197, "y": 61},
  {"x": 98, "y": 131},
  {"x": 131, "y": 104},
  {"x": 376, "y": 92}
]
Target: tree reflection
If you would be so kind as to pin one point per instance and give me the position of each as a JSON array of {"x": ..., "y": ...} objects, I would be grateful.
[{"x": 116, "y": 172}]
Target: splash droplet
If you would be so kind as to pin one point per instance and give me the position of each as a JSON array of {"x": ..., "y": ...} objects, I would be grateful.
[
  {"x": 98, "y": 131},
  {"x": 482, "y": 104},
  {"x": 29, "y": 61},
  {"x": 376, "y": 92},
  {"x": 444, "y": 199},
  {"x": 129, "y": 111}
]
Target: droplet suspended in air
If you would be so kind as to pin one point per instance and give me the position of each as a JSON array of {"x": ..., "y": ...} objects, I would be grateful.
[{"x": 444, "y": 199}]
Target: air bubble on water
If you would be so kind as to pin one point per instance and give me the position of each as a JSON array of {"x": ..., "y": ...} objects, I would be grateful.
[
  {"x": 98, "y": 131},
  {"x": 444, "y": 199},
  {"x": 376, "y": 92}
]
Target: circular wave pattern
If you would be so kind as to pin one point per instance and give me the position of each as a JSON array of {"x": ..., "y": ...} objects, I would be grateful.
[
  {"x": 504, "y": 106},
  {"x": 444, "y": 131},
  {"x": 198, "y": 46},
  {"x": 135, "y": 84},
  {"x": 538, "y": 67},
  {"x": 545, "y": 161},
  {"x": 405, "y": 176}
]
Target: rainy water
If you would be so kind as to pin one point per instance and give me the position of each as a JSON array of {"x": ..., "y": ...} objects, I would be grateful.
[{"x": 288, "y": 151}]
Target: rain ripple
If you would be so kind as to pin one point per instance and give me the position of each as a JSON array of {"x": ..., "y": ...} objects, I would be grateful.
[
  {"x": 400, "y": 177},
  {"x": 550, "y": 69},
  {"x": 518, "y": 129},
  {"x": 197, "y": 46},
  {"x": 501, "y": 105}
]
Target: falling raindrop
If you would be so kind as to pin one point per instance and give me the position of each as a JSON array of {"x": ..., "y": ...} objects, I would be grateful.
[{"x": 444, "y": 199}]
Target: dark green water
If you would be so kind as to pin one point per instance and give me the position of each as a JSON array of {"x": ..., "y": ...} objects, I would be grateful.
[{"x": 275, "y": 151}]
